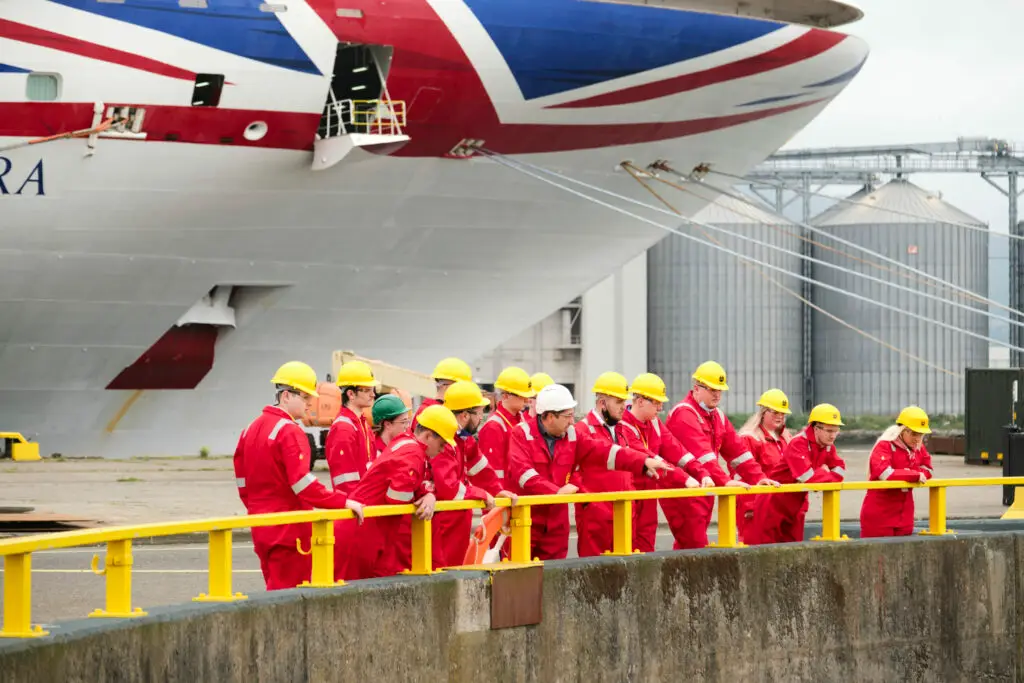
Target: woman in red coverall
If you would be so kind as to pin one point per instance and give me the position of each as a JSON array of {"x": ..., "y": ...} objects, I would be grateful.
[
  {"x": 765, "y": 436},
  {"x": 810, "y": 458},
  {"x": 898, "y": 455}
]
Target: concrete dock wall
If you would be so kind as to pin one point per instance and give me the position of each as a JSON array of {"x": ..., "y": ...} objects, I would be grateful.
[{"x": 944, "y": 609}]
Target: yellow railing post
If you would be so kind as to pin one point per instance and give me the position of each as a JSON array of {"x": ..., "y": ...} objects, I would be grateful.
[
  {"x": 118, "y": 570},
  {"x": 422, "y": 549},
  {"x": 220, "y": 570},
  {"x": 18, "y": 598},
  {"x": 727, "y": 537},
  {"x": 622, "y": 528},
  {"x": 321, "y": 547},
  {"x": 830, "y": 518},
  {"x": 936, "y": 512},
  {"x": 520, "y": 538}
]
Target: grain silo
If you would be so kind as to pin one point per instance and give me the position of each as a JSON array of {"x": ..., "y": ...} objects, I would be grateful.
[
  {"x": 704, "y": 304},
  {"x": 861, "y": 376}
]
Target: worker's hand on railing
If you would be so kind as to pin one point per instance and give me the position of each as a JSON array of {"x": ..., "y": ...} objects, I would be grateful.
[
  {"x": 652, "y": 466},
  {"x": 568, "y": 489},
  {"x": 707, "y": 483},
  {"x": 921, "y": 478},
  {"x": 356, "y": 507},
  {"x": 425, "y": 507},
  {"x": 488, "y": 502},
  {"x": 508, "y": 494},
  {"x": 736, "y": 483},
  {"x": 692, "y": 483},
  {"x": 769, "y": 482}
]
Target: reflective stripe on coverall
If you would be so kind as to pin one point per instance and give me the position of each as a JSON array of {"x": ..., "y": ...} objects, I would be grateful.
[
  {"x": 493, "y": 436},
  {"x": 767, "y": 449},
  {"x": 890, "y": 512},
  {"x": 349, "y": 449},
  {"x": 594, "y": 520},
  {"x": 272, "y": 475}
]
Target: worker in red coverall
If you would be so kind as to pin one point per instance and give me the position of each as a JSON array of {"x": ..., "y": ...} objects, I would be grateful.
[
  {"x": 462, "y": 473},
  {"x": 594, "y": 520},
  {"x": 705, "y": 432},
  {"x": 446, "y": 372},
  {"x": 515, "y": 389},
  {"x": 810, "y": 458},
  {"x": 766, "y": 437},
  {"x": 349, "y": 448},
  {"x": 382, "y": 546},
  {"x": 645, "y": 432},
  {"x": 546, "y": 451},
  {"x": 898, "y": 455},
  {"x": 390, "y": 418},
  {"x": 272, "y": 475}
]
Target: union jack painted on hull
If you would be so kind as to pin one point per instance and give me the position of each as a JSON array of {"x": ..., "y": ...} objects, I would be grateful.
[{"x": 527, "y": 76}]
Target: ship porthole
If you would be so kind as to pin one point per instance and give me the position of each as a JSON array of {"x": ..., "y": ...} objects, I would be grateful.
[{"x": 255, "y": 131}]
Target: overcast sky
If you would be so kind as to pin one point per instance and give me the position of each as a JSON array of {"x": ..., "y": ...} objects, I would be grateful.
[{"x": 938, "y": 70}]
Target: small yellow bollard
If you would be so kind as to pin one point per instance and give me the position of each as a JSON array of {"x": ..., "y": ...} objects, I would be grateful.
[
  {"x": 118, "y": 570},
  {"x": 520, "y": 524},
  {"x": 727, "y": 536},
  {"x": 936, "y": 512},
  {"x": 422, "y": 548},
  {"x": 18, "y": 598},
  {"x": 830, "y": 518},
  {"x": 622, "y": 528},
  {"x": 220, "y": 570}
]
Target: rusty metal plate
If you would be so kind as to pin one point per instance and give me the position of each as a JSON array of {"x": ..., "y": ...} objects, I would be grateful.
[{"x": 516, "y": 597}]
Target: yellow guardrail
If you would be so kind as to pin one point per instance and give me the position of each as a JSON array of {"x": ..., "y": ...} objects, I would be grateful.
[{"x": 117, "y": 569}]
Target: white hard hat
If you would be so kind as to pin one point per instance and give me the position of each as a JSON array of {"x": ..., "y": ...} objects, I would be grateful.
[{"x": 554, "y": 398}]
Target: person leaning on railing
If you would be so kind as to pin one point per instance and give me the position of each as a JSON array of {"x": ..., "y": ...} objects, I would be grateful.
[
  {"x": 766, "y": 437},
  {"x": 810, "y": 458},
  {"x": 272, "y": 475},
  {"x": 898, "y": 455},
  {"x": 382, "y": 546}
]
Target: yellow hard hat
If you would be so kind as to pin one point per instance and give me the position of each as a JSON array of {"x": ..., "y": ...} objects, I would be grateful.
[
  {"x": 776, "y": 400},
  {"x": 464, "y": 396},
  {"x": 649, "y": 386},
  {"x": 611, "y": 384},
  {"x": 441, "y": 420},
  {"x": 539, "y": 380},
  {"x": 356, "y": 373},
  {"x": 825, "y": 413},
  {"x": 513, "y": 380},
  {"x": 453, "y": 369},
  {"x": 297, "y": 375},
  {"x": 914, "y": 419},
  {"x": 711, "y": 374}
]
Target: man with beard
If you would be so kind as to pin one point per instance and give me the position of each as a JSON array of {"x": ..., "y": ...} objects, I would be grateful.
[{"x": 462, "y": 473}]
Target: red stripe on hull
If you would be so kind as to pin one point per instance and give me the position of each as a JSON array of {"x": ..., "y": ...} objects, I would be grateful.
[
  {"x": 30, "y": 34},
  {"x": 812, "y": 43},
  {"x": 199, "y": 125}
]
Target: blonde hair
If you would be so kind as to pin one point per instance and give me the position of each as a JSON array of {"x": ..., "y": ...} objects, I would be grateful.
[
  {"x": 750, "y": 427},
  {"x": 891, "y": 433}
]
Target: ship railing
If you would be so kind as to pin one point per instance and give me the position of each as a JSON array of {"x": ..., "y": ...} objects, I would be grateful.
[
  {"x": 117, "y": 564},
  {"x": 369, "y": 117}
]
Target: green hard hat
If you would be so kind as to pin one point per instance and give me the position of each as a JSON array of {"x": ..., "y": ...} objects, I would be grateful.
[{"x": 387, "y": 407}]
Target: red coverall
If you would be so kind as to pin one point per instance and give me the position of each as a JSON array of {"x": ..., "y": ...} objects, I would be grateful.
[
  {"x": 594, "y": 520},
  {"x": 779, "y": 517},
  {"x": 349, "y": 449},
  {"x": 427, "y": 402},
  {"x": 890, "y": 512},
  {"x": 382, "y": 546},
  {"x": 272, "y": 475},
  {"x": 378, "y": 446},
  {"x": 535, "y": 468},
  {"x": 706, "y": 435},
  {"x": 459, "y": 474},
  {"x": 656, "y": 439},
  {"x": 493, "y": 438},
  {"x": 767, "y": 449}
]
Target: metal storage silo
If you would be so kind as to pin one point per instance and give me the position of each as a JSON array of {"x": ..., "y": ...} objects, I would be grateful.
[
  {"x": 703, "y": 304},
  {"x": 861, "y": 376}
]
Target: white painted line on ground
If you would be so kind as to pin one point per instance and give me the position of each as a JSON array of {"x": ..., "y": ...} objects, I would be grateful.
[{"x": 135, "y": 549}]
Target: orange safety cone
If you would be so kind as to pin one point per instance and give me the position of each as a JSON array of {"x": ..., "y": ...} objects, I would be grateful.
[{"x": 479, "y": 550}]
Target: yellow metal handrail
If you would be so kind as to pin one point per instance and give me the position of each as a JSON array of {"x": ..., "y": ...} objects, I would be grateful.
[{"x": 17, "y": 552}]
